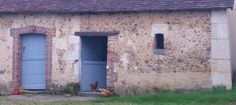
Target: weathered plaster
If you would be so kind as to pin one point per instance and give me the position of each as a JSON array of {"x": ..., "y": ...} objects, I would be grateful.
[
  {"x": 186, "y": 63},
  {"x": 65, "y": 45},
  {"x": 151, "y": 82}
]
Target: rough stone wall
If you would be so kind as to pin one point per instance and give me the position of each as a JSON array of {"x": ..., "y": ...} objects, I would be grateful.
[
  {"x": 65, "y": 44},
  {"x": 6, "y": 53},
  {"x": 185, "y": 63}
]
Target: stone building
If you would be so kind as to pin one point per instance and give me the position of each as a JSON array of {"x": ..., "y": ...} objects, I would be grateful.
[
  {"x": 232, "y": 25},
  {"x": 134, "y": 46}
]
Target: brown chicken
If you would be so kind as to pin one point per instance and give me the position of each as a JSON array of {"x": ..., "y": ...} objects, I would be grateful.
[
  {"x": 105, "y": 93},
  {"x": 94, "y": 85}
]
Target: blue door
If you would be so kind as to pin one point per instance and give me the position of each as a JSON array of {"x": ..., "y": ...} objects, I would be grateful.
[
  {"x": 94, "y": 55},
  {"x": 33, "y": 61}
]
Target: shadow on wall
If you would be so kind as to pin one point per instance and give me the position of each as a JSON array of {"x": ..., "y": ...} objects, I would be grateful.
[{"x": 232, "y": 31}]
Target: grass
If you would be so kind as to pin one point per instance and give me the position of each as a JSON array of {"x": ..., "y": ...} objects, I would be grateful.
[{"x": 216, "y": 97}]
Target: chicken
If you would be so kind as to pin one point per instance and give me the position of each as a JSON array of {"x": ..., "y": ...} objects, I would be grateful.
[
  {"x": 105, "y": 93},
  {"x": 94, "y": 85},
  {"x": 16, "y": 92}
]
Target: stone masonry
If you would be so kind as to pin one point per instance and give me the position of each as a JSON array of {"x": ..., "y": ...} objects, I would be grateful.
[
  {"x": 195, "y": 54},
  {"x": 220, "y": 65}
]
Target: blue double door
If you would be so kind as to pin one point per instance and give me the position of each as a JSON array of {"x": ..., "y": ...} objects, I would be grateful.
[
  {"x": 33, "y": 61},
  {"x": 94, "y": 61}
]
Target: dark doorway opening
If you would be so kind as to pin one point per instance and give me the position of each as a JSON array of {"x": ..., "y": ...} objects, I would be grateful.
[{"x": 94, "y": 62}]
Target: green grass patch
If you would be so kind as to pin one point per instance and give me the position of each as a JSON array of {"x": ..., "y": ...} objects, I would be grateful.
[{"x": 216, "y": 97}]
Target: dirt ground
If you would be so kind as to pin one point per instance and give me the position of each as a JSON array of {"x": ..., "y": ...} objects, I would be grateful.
[{"x": 48, "y": 98}]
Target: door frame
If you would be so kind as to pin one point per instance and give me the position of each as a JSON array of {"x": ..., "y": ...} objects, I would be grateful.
[
  {"x": 81, "y": 56},
  {"x": 112, "y": 56},
  {"x": 16, "y": 33}
]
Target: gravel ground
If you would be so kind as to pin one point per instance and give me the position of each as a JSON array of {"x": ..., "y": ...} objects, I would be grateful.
[{"x": 47, "y": 98}]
